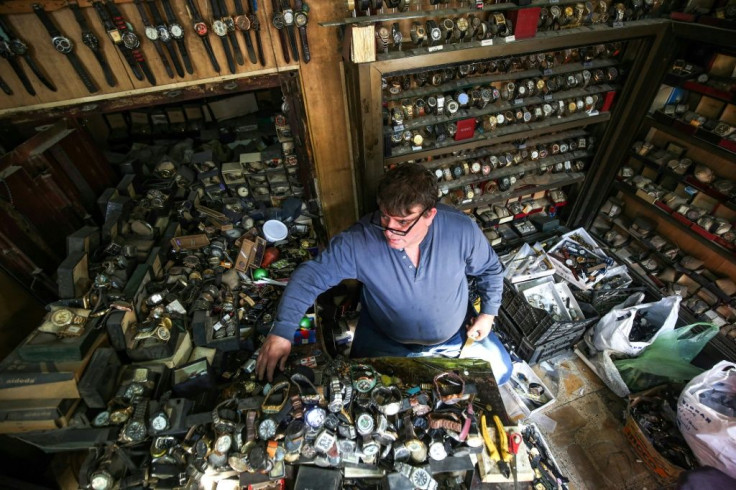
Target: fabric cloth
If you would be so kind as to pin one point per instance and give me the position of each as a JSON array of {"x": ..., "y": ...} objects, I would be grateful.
[{"x": 422, "y": 305}]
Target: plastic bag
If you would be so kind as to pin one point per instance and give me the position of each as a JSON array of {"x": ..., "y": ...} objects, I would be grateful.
[
  {"x": 705, "y": 416},
  {"x": 667, "y": 359},
  {"x": 612, "y": 332}
]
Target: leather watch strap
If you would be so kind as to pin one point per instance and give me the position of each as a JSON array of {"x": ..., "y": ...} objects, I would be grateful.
[
  {"x": 130, "y": 40},
  {"x": 152, "y": 35},
  {"x": 200, "y": 28},
  {"x": 177, "y": 32},
  {"x": 230, "y": 24},
  {"x": 165, "y": 37},
  {"x": 93, "y": 43},
  {"x": 288, "y": 14},
  {"x": 19, "y": 48},
  {"x": 301, "y": 11},
  {"x": 243, "y": 24},
  {"x": 6, "y": 53},
  {"x": 278, "y": 23},
  {"x": 65, "y": 46},
  {"x": 255, "y": 26},
  {"x": 220, "y": 29},
  {"x": 117, "y": 38},
  {"x": 4, "y": 86}
]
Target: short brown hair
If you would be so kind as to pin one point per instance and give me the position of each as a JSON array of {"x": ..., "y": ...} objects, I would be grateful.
[{"x": 404, "y": 187}]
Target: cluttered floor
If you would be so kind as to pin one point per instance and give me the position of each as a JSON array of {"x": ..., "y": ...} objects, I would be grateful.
[{"x": 584, "y": 429}]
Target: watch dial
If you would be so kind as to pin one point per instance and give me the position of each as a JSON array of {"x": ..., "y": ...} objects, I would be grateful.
[
  {"x": 62, "y": 44},
  {"x": 315, "y": 417},
  {"x": 436, "y": 34},
  {"x": 151, "y": 33},
  {"x": 163, "y": 34},
  {"x": 102, "y": 419},
  {"x": 300, "y": 19},
  {"x": 101, "y": 480},
  {"x": 176, "y": 30},
  {"x": 420, "y": 478},
  {"x": 219, "y": 27},
  {"x": 223, "y": 443},
  {"x": 288, "y": 17},
  {"x": 135, "y": 431},
  {"x": 160, "y": 422},
  {"x": 267, "y": 429},
  {"x": 130, "y": 40},
  {"x": 371, "y": 449},
  {"x": 61, "y": 317}
]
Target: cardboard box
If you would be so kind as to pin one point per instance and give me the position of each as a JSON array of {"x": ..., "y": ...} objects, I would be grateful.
[{"x": 31, "y": 415}]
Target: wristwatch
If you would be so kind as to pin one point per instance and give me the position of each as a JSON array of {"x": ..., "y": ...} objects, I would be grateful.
[
  {"x": 434, "y": 33},
  {"x": 200, "y": 28},
  {"x": 280, "y": 25},
  {"x": 396, "y": 35},
  {"x": 176, "y": 31},
  {"x": 288, "y": 15},
  {"x": 382, "y": 38},
  {"x": 164, "y": 36},
  {"x": 130, "y": 40},
  {"x": 135, "y": 429},
  {"x": 14, "y": 46},
  {"x": 242, "y": 23},
  {"x": 418, "y": 33},
  {"x": 220, "y": 28},
  {"x": 300, "y": 19},
  {"x": 446, "y": 27},
  {"x": 64, "y": 46},
  {"x": 230, "y": 24},
  {"x": 152, "y": 34}
]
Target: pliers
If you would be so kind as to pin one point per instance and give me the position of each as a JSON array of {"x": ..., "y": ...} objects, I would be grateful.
[{"x": 503, "y": 456}]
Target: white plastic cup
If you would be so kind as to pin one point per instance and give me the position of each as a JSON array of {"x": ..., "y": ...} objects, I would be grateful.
[{"x": 275, "y": 231}]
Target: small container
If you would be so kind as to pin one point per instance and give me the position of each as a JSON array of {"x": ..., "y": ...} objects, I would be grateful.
[{"x": 274, "y": 231}]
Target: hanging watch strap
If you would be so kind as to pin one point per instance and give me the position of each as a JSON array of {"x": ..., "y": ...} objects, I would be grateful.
[
  {"x": 152, "y": 34},
  {"x": 164, "y": 36},
  {"x": 5, "y": 52},
  {"x": 117, "y": 38},
  {"x": 255, "y": 25},
  {"x": 201, "y": 29},
  {"x": 301, "y": 17},
  {"x": 288, "y": 14},
  {"x": 65, "y": 46},
  {"x": 5, "y": 87},
  {"x": 220, "y": 28},
  {"x": 278, "y": 23},
  {"x": 177, "y": 32},
  {"x": 242, "y": 22},
  {"x": 230, "y": 24},
  {"x": 130, "y": 40},
  {"x": 93, "y": 43},
  {"x": 19, "y": 48}
]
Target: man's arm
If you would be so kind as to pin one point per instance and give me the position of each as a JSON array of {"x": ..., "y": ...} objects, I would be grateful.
[
  {"x": 482, "y": 263},
  {"x": 308, "y": 281}
]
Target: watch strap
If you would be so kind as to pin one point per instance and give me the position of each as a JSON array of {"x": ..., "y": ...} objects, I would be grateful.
[
  {"x": 230, "y": 23},
  {"x": 167, "y": 41},
  {"x": 157, "y": 42},
  {"x": 13, "y": 61},
  {"x": 185, "y": 55},
  {"x": 197, "y": 19},
  {"x": 137, "y": 54},
  {"x": 291, "y": 34},
  {"x": 46, "y": 20},
  {"x": 82, "y": 72},
  {"x": 92, "y": 42},
  {"x": 4, "y": 86},
  {"x": 279, "y": 17},
  {"x": 7, "y": 33},
  {"x": 256, "y": 28},
  {"x": 116, "y": 37}
]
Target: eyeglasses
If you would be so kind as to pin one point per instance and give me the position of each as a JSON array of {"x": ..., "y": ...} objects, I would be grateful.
[{"x": 376, "y": 221}]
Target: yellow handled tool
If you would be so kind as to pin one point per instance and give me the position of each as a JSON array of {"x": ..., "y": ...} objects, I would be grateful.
[
  {"x": 492, "y": 449},
  {"x": 503, "y": 439}
]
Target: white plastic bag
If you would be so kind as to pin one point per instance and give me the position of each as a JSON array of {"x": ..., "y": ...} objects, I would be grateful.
[
  {"x": 613, "y": 330},
  {"x": 708, "y": 426}
]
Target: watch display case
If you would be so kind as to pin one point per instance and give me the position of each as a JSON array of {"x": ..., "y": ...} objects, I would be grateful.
[
  {"x": 511, "y": 127},
  {"x": 671, "y": 208}
]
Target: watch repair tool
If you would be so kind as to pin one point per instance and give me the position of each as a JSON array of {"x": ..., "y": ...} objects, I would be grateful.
[
  {"x": 244, "y": 25},
  {"x": 65, "y": 46},
  {"x": 176, "y": 31},
  {"x": 152, "y": 33},
  {"x": 90, "y": 40},
  {"x": 201, "y": 29},
  {"x": 219, "y": 27},
  {"x": 492, "y": 449},
  {"x": 10, "y": 47}
]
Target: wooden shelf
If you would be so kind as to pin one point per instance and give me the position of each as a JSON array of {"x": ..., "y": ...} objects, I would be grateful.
[
  {"x": 649, "y": 121},
  {"x": 503, "y": 135},
  {"x": 527, "y": 186}
]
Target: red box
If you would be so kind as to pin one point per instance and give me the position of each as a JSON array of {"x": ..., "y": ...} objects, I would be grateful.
[
  {"x": 730, "y": 145},
  {"x": 703, "y": 232},
  {"x": 662, "y": 205},
  {"x": 525, "y": 22},
  {"x": 608, "y": 101},
  {"x": 465, "y": 129}
]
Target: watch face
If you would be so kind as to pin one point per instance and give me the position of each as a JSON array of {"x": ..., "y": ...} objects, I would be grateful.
[
  {"x": 18, "y": 47},
  {"x": 288, "y": 17},
  {"x": 300, "y": 19},
  {"x": 130, "y": 40},
  {"x": 435, "y": 34},
  {"x": 176, "y": 31},
  {"x": 101, "y": 480},
  {"x": 267, "y": 429},
  {"x": 437, "y": 451},
  {"x": 219, "y": 27},
  {"x": 102, "y": 419},
  {"x": 133, "y": 389},
  {"x": 420, "y": 478},
  {"x": 315, "y": 417},
  {"x": 223, "y": 443},
  {"x": 163, "y": 333},
  {"x": 62, "y": 44},
  {"x": 201, "y": 29},
  {"x": 371, "y": 448},
  {"x": 61, "y": 317},
  {"x": 242, "y": 22},
  {"x": 135, "y": 431},
  {"x": 151, "y": 33},
  {"x": 160, "y": 422},
  {"x": 278, "y": 21},
  {"x": 163, "y": 34}
]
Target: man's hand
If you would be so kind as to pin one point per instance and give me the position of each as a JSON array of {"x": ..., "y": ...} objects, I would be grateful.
[
  {"x": 480, "y": 326},
  {"x": 274, "y": 351}
]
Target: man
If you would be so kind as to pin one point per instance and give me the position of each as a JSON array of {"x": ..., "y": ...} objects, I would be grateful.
[{"x": 413, "y": 257}]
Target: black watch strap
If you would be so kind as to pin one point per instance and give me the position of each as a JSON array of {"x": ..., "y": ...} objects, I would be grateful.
[
  {"x": 19, "y": 48},
  {"x": 126, "y": 32},
  {"x": 6, "y": 53},
  {"x": 201, "y": 29},
  {"x": 93, "y": 43},
  {"x": 164, "y": 36},
  {"x": 117, "y": 38},
  {"x": 278, "y": 23},
  {"x": 56, "y": 36},
  {"x": 291, "y": 31},
  {"x": 240, "y": 13},
  {"x": 5, "y": 87},
  {"x": 301, "y": 11},
  {"x": 255, "y": 26},
  {"x": 217, "y": 21},
  {"x": 230, "y": 24},
  {"x": 147, "y": 24},
  {"x": 175, "y": 27}
]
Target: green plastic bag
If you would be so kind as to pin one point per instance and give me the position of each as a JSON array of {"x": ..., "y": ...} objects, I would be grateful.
[{"x": 667, "y": 359}]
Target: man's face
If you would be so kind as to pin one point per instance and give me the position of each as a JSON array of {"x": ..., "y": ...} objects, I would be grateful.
[{"x": 415, "y": 225}]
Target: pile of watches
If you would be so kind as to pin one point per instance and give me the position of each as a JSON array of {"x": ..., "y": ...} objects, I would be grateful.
[
  {"x": 717, "y": 127},
  {"x": 342, "y": 414},
  {"x": 545, "y": 62}
]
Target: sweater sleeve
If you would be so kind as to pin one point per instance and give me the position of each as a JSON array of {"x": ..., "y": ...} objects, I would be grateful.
[{"x": 483, "y": 263}]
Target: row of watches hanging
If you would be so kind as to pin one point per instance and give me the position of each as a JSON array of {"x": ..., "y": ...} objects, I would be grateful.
[
  {"x": 545, "y": 62},
  {"x": 162, "y": 28},
  {"x": 553, "y": 17}
]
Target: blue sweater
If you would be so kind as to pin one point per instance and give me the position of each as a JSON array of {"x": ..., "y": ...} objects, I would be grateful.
[{"x": 423, "y": 305}]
